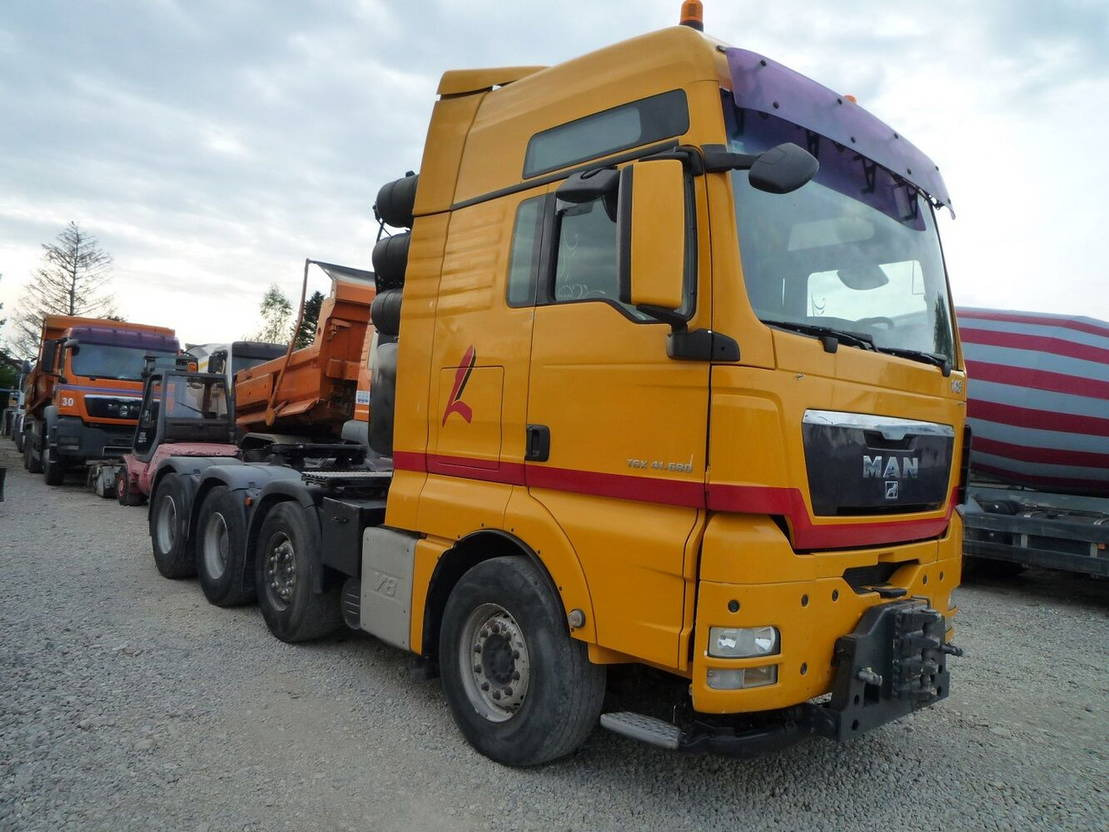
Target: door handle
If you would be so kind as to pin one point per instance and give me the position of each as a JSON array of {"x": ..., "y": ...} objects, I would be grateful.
[{"x": 537, "y": 447}]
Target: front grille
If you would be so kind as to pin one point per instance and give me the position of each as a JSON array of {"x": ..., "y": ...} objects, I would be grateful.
[
  {"x": 109, "y": 407},
  {"x": 862, "y": 464}
]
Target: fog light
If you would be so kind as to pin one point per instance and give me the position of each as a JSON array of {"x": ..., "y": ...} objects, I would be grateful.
[
  {"x": 744, "y": 677},
  {"x": 742, "y": 642}
]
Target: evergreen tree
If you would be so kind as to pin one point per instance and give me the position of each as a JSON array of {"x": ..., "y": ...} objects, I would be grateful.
[
  {"x": 71, "y": 281},
  {"x": 306, "y": 334}
]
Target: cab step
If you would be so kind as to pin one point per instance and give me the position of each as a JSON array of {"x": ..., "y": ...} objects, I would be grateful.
[{"x": 644, "y": 728}]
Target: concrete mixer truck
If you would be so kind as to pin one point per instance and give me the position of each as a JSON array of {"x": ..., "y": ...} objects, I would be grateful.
[{"x": 1038, "y": 406}]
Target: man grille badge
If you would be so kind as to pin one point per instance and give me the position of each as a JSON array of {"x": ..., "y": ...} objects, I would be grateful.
[{"x": 891, "y": 489}]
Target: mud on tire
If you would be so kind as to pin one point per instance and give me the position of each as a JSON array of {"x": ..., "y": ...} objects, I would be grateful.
[
  {"x": 286, "y": 569},
  {"x": 169, "y": 528},
  {"x": 521, "y": 690}
]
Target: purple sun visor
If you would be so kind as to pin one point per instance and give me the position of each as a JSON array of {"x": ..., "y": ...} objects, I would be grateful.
[{"x": 766, "y": 86}]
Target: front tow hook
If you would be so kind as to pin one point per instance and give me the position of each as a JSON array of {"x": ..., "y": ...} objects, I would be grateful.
[{"x": 952, "y": 650}]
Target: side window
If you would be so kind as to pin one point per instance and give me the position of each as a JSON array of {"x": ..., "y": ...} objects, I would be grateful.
[
  {"x": 524, "y": 258},
  {"x": 585, "y": 263}
]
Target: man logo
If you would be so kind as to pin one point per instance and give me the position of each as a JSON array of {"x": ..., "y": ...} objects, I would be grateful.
[
  {"x": 892, "y": 467},
  {"x": 891, "y": 489}
]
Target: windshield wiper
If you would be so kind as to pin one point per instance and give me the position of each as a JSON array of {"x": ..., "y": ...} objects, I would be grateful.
[
  {"x": 934, "y": 358},
  {"x": 842, "y": 336}
]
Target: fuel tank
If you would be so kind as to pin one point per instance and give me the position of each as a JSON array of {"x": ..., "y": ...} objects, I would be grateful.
[{"x": 1038, "y": 399}]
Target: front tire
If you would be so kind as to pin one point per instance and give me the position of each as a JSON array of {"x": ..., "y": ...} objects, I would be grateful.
[
  {"x": 285, "y": 570},
  {"x": 520, "y": 689},
  {"x": 169, "y": 523},
  {"x": 125, "y": 494},
  {"x": 221, "y": 550},
  {"x": 32, "y": 463},
  {"x": 53, "y": 469}
]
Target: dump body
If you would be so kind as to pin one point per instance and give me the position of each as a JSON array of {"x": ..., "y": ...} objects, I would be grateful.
[
  {"x": 1038, "y": 403},
  {"x": 313, "y": 389}
]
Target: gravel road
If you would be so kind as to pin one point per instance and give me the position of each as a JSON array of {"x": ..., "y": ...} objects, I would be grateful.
[{"x": 127, "y": 702}]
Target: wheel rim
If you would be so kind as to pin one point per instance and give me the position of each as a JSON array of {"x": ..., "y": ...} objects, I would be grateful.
[
  {"x": 280, "y": 569},
  {"x": 167, "y": 523},
  {"x": 494, "y": 662},
  {"x": 215, "y": 545}
]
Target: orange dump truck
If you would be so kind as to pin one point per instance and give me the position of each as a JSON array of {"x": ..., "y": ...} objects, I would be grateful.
[{"x": 83, "y": 395}]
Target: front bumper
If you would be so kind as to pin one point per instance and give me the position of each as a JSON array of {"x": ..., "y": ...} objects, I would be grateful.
[
  {"x": 894, "y": 663},
  {"x": 77, "y": 441}
]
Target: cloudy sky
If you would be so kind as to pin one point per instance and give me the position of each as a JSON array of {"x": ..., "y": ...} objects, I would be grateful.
[{"x": 211, "y": 145}]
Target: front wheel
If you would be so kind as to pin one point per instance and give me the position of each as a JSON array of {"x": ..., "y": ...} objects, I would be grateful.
[
  {"x": 520, "y": 689},
  {"x": 169, "y": 518},
  {"x": 126, "y": 493},
  {"x": 53, "y": 469},
  {"x": 32, "y": 463},
  {"x": 221, "y": 550},
  {"x": 285, "y": 572}
]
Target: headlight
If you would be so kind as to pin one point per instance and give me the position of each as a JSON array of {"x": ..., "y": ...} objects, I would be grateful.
[{"x": 742, "y": 642}]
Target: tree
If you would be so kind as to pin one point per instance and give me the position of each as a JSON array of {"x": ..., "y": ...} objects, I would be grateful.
[
  {"x": 276, "y": 311},
  {"x": 306, "y": 334},
  {"x": 71, "y": 281}
]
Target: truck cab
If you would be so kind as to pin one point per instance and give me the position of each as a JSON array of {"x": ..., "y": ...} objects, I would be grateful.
[
  {"x": 665, "y": 373},
  {"x": 726, "y": 420},
  {"x": 84, "y": 393}
]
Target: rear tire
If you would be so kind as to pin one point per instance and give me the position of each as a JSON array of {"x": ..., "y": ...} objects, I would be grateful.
[
  {"x": 53, "y": 470},
  {"x": 532, "y": 695},
  {"x": 169, "y": 523},
  {"x": 286, "y": 566},
  {"x": 221, "y": 550}
]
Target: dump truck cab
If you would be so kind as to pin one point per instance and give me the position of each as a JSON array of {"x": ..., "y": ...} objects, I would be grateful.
[{"x": 84, "y": 393}]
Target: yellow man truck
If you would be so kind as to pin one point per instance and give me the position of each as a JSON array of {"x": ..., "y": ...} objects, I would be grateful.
[{"x": 676, "y": 384}]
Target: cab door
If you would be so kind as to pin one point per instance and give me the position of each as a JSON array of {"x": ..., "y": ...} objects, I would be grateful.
[{"x": 616, "y": 428}]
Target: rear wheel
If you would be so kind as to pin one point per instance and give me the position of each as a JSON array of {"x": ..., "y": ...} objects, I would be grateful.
[
  {"x": 169, "y": 530},
  {"x": 53, "y": 469},
  {"x": 286, "y": 567},
  {"x": 521, "y": 690},
  {"x": 221, "y": 550}
]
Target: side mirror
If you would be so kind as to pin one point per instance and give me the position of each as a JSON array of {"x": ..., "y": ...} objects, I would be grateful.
[
  {"x": 779, "y": 170},
  {"x": 651, "y": 234},
  {"x": 783, "y": 169}
]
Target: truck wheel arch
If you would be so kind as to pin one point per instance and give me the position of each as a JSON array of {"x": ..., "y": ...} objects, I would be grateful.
[
  {"x": 459, "y": 559},
  {"x": 275, "y": 493}
]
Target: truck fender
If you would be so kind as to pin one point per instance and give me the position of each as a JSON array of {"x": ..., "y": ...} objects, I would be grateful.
[
  {"x": 466, "y": 553},
  {"x": 50, "y": 424}
]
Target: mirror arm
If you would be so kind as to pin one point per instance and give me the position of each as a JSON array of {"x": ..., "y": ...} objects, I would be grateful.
[
  {"x": 718, "y": 158},
  {"x": 676, "y": 320}
]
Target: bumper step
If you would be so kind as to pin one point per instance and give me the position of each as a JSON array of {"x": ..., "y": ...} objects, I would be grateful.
[{"x": 643, "y": 728}]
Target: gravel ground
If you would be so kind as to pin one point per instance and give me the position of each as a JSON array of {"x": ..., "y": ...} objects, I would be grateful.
[{"x": 127, "y": 702}]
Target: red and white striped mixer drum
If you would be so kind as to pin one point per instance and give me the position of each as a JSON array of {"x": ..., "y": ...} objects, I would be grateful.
[{"x": 1038, "y": 398}]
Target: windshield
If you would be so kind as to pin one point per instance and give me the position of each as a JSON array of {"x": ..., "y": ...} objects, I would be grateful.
[
  {"x": 191, "y": 399},
  {"x": 855, "y": 249},
  {"x": 105, "y": 361}
]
